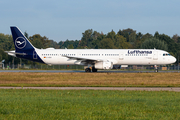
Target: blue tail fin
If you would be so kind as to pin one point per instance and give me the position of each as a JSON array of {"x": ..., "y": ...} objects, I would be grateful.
[
  {"x": 21, "y": 43},
  {"x": 24, "y": 49}
]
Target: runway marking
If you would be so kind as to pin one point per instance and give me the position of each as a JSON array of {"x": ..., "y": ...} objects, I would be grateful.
[{"x": 176, "y": 89}]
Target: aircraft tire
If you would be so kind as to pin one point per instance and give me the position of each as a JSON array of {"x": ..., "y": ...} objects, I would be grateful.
[
  {"x": 87, "y": 70},
  {"x": 156, "y": 70}
]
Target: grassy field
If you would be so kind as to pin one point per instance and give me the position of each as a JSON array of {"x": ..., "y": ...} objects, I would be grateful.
[
  {"x": 88, "y": 104},
  {"x": 91, "y": 79}
]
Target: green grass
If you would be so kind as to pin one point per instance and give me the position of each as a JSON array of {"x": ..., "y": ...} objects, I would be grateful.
[{"x": 88, "y": 104}]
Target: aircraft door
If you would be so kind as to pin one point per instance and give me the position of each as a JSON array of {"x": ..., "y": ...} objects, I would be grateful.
[
  {"x": 155, "y": 55},
  {"x": 121, "y": 56},
  {"x": 79, "y": 54},
  {"x": 34, "y": 55}
]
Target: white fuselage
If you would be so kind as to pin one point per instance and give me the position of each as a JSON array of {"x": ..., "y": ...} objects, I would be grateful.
[{"x": 116, "y": 56}]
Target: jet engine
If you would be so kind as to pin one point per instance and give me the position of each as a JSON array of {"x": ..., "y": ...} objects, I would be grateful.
[{"x": 104, "y": 65}]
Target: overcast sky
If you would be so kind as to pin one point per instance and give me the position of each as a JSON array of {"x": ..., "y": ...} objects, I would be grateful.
[{"x": 60, "y": 20}]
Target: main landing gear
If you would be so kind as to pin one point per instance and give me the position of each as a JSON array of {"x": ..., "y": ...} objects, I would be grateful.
[
  {"x": 155, "y": 68},
  {"x": 89, "y": 70},
  {"x": 93, "y": 69}
]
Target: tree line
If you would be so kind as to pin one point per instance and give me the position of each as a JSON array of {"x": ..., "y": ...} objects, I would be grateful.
[{"x": 123, "y": 39}]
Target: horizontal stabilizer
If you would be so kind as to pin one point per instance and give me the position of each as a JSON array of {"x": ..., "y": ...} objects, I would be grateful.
[{"x": 13, "y": 53}]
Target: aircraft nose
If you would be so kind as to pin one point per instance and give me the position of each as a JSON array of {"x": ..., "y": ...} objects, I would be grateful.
[{"x": 173, "y": 59}]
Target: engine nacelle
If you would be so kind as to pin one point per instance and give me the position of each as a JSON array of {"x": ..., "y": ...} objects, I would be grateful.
[{"x": 103, "y": 65}]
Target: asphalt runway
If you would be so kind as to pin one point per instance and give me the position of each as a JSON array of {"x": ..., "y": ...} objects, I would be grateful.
[
  {"x": 82, "y": 71},
  {"x": 176, "y": 89}
]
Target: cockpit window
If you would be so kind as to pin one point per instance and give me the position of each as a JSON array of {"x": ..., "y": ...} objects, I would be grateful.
[{"x": 166, "y": 54}]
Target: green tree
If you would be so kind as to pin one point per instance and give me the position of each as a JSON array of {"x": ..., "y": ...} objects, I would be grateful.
[
  {"x": 111, "y": 35},
  {"x": 146, "y": 36},
  {"x": 137, "y": 42},
  {"x": 132, "y": 37},
  {"x": 107, "y": 43},
  {"x": 96, "y": 43},
  {"x": 152, "y": 43},
  {"x": 26, "y": 35},
  {"x": 126, "y": 33},
  {"x": 6, "y": 42},
  {"x": 70, "y": 46},
  {"x": 54, "y": 44},
  {"x": 86, "y": 38},
  {"x": 65, "y": 44},
  {"x": 156, "y": 35},
  {"x": 170, "y": 43},
  {"x": 95, "y": 35},
  {"x": 76, "y": 44},
  {"x": 139, "y": 36},
  {"x": 40, "y": 42},
  {"x": 121, "y": 42}
]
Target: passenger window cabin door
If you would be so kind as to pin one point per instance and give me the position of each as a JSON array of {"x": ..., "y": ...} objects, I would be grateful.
[
  {"x": 79, "y": 54},
  {"x": 155, "y": 55},
  {"x": 121, "y": 56}
]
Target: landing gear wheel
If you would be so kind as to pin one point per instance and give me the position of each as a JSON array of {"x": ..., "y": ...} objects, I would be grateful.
[
  {"x": 94, "y": 70},
  {"x": 87, "y": 70},
  {"x": 155, "y": 68}
]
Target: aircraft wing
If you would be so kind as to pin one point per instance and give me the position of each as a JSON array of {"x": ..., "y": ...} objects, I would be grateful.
[{"x": 83, "y": 59}]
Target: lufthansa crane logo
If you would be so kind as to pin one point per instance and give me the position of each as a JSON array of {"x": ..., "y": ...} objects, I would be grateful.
[{"x": 20, "y": 42}]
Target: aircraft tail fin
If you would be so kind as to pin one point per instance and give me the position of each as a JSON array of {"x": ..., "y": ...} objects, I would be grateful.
[{"x": 21, "y": 43}]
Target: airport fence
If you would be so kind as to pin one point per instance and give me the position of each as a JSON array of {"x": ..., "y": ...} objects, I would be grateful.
[
  {"x": 79, "y": 67},
  {"x": 42, "y": 67}
]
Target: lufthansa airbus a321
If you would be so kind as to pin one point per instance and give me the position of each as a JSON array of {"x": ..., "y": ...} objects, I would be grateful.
[{"x": 92, "y": 58}]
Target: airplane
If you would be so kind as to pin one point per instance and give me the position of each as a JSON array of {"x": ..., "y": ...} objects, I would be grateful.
[{"x": 94, "y": 59}]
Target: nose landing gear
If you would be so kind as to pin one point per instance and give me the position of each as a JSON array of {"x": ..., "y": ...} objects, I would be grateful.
[{"x": 155, "y": 68}]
